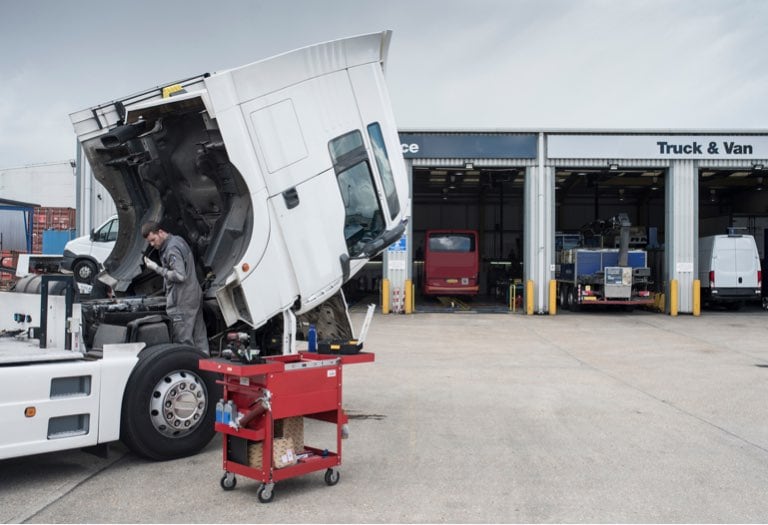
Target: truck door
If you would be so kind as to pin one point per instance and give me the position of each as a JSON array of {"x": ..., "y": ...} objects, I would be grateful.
[
  {"x": 292, "y": 140},
  {"x": 382, "y": 139}
]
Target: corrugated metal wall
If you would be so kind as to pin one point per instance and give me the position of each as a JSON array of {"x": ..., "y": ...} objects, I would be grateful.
[
  {"x": 13, "y": 234},
  {"x": 477, "y": 163},
  {"x": 604, "y": 163},
  {"x": 94, "y": 203},
  {"x": 397, "y": 260},
  {"x": 733, "y": 163},
  {"x": 682, "y": 230}
]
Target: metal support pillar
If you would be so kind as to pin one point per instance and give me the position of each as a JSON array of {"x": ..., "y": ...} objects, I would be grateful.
[
  {"x": 681, "y": 203},
  {"x": 539, "y": 238}
]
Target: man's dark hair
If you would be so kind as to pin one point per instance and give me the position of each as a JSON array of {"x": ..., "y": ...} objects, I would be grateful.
[{"x": 149, "y": 227}]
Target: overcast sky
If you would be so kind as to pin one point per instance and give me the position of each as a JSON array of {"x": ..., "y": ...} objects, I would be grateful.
[{"x": 479, "y": 64}]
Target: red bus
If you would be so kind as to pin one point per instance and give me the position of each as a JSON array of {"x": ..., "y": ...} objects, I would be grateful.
[{"x": 451, "y": 263}]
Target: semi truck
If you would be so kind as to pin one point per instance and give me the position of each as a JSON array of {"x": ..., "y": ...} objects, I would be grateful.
[
  {"x": 604, "y": 274},
  {"x": 284, "y": 175}
]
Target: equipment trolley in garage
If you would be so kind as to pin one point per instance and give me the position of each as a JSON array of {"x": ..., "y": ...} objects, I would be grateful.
[{"x": 261, "y": 416}]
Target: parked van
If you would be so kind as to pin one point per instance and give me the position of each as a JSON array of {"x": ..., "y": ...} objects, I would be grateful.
[
  {"x": 729, "y": 270},
  {"x": 85, "y": 256}
]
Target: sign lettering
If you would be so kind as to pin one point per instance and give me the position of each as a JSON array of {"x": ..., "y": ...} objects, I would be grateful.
[
  {"x": 410, "y": 148},
  {"x": 657, "y": 146}
]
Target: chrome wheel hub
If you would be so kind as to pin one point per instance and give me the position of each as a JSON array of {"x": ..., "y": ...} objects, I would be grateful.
[{"x": 178, "y": 403}]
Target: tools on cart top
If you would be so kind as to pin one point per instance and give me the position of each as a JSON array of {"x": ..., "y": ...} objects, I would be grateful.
[
  {"x": 350, "y": 346},
  {"x": 282, "y": 363}
]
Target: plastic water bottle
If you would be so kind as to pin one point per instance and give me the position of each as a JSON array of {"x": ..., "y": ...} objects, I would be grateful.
[
  {"x": 220, "y": 411},
  {"x": 233, "y": 412},
  {"x": 227, "y": 417},
  {"x": 312, "y": 339}
]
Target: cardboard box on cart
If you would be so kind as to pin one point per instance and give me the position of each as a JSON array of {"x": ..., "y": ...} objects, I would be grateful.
[{"x": 283, "y": 453}]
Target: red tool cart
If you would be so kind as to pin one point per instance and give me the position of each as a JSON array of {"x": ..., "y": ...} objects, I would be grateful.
[{"x": 264, "y": 406}]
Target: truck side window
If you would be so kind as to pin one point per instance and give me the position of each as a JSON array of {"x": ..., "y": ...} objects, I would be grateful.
[
  {"x": 385, "y": 169},
  {"x": 363, "y": 216}
]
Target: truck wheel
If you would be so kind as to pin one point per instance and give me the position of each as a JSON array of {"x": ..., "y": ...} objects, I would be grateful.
[
  {"x": 573, "y": 302},
  {"x": 168, "y": 408},
  {"x": 84, "y": 271},
  {"x": 563, "y": 295}
]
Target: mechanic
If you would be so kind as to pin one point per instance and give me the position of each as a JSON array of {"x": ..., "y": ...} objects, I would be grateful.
[{"x": 183, "y": 294}]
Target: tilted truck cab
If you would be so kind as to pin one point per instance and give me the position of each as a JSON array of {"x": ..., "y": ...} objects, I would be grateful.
[{"x": 285, "y": 176}]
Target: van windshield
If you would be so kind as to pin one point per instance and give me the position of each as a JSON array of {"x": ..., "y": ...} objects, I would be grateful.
[{"x": 108, "y": 232}]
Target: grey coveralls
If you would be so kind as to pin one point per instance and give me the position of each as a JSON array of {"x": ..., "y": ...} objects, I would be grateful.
[{"x": 183, "y": 295}]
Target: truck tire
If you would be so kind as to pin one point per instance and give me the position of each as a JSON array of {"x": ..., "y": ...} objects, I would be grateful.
[
  {"x": 169, "y": 405},
  {"x": 84, "y": 271},
  {"x": 562, "y": 296},
  {"x": 573, "y": 302}
]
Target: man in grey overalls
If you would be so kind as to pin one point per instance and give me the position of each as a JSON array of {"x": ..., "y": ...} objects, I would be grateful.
[{"x": 183, "y": 294}]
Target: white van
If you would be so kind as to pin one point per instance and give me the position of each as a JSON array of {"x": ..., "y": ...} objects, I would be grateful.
[
  {"x": 729, "y": 270},
  {"x": 85, "y": 256}
]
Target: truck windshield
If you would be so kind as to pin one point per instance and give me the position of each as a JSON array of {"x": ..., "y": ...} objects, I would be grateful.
[
  {"x": 364, "y": 220},
  {"x": 385, "y": 170}
]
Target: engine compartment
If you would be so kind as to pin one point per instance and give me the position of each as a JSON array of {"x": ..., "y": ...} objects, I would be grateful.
[{"x": 171, "y": 166}]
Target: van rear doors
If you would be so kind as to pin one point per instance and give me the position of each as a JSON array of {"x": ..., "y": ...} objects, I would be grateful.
[{"x": 730, "y": 268}]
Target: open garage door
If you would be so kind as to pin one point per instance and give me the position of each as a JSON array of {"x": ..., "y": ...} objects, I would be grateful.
[
  {"x": 459, "y": 211},
  {"x": 732, "y": 201},
  {"x": 609, "y": 237}
]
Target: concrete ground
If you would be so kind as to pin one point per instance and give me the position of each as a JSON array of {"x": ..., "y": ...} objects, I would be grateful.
[{"x": 592, "y": 417}]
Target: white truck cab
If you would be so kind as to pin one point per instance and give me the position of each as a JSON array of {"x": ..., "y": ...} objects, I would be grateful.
[
  {"x": 284, "y": 176},
  {"x": 85, "y": 256}
]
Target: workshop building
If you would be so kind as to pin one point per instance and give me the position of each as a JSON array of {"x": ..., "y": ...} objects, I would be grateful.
[{"x": 521, "y": 190}]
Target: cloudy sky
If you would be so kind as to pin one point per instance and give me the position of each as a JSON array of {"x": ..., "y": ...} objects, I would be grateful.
[{"x": 466, "y": 64}]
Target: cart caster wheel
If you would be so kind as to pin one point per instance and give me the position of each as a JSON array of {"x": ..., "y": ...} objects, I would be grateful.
[
  {"x": 228, "y": 481},
  {"x": 331, "y": 477},
  {"x": 265, "y": 492}
]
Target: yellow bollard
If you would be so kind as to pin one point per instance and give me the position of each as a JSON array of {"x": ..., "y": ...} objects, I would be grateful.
[
  {"x": 552, "y": 297},
  {"x": 673, "y": 297},
  {"x": 529, "y": 297},
  {"x": 696, "y": 297},
  {"x": 408, "y": 296},
  {"x": 385, "y": 296}
]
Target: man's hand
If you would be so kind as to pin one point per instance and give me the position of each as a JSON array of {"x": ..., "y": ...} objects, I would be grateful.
[{"x": 152, "y": 265}]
